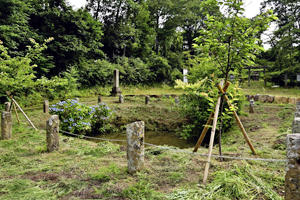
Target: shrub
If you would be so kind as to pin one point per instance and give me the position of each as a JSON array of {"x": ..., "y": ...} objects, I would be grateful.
[
  {"x": 134, "y": 71},
  {"x": 82, "y": 119},
  {"x": 200, "y": 101}
]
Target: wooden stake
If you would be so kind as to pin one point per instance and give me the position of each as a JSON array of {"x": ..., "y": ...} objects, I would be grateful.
[
  {"x": 212, "y": 137},
  {"x": 15, "y": 109},
  {"x": 24, "y": 114},
  {"x": 238, "y": 121},
  {"x": 206, "y": 127}
]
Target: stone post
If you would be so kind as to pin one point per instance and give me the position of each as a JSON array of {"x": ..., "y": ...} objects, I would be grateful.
[
  {"x": 292, "y": 177},
  {"x": 121, "y": 99},
  {"x": 116, "y": 87},
  {"x": 251, "y": 107},
  {"x": 6, "y": 125},
  {"x": 99, "y": 99},
  {"x": 7, "y": 106},
  {"x": 296, "y": 125},
  {"x": 52, "y": 130},
  {"x": 176, "y": 100},
  {"x": 46, "y": 106},
  {"x": 77, "y": 99},
  {"x": 147, "y": 100},
  {"x": 135, "y": 146}
]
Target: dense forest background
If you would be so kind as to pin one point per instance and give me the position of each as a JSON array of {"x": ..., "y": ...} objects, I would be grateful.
[{"x": 148, "y": 41}]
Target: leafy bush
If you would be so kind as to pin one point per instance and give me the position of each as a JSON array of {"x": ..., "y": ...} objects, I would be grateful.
[
  {"x": 134, "y": 71},
  {"x": 96, "y": 72},
  {"x": 82, "y": 119},
  {"x": 200, "y": 101}
]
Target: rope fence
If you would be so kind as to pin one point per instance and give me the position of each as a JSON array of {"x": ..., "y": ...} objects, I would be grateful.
[{"x": 179, "y": 150}]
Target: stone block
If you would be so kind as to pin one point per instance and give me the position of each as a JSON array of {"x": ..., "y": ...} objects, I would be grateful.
[{"x": 292, "y": 177}]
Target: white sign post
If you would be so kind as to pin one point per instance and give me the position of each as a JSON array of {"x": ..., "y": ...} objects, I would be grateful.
[
  {"x": 185, "y": 73},
  {"x": 298, "y": 77}
]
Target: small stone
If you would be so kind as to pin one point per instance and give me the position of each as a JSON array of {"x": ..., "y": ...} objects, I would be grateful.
[{"x": 147, "y": 100}]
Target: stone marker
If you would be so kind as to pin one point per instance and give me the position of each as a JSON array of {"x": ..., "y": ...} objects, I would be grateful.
[
  {"x": 121, "y": 99},
  {"x": 135, "y": 146},
  {"x": 176, "y": 100},
  {"x": 7, "y": 106},
  {"x": 116, "y": 88},
  {"x": 147, "y": 99},
  {"x": 52, "y": 129},
  {"x": 46, "y": 106},
  {"x": 251, "y": 106},
  {"x": 77, "y": 99},
  {"x": 292, "y": 177},
  {"x": 296, "y": 125},
  {"x": 6, "y": 125},
  {"x": 185, "y": 73},
  {"x": 99, "y": 99}
]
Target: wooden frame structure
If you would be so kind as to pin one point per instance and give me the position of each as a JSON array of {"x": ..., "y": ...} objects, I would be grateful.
[
  {"x": 214, "y": 118},
  {"x": 249, "y": 68}
]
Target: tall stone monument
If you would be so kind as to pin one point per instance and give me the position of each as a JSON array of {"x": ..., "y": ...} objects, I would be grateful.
[{"x": 116, "y": 91}]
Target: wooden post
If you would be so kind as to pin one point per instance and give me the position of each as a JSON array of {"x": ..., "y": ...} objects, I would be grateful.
[
  {"x": 121, "y": 99},
  {"x": 46, "y": 106},
  {"x": 99, "y": 99},
  {"x": 292, "y": 177},
  {"x": 15, "y": 102},
  {"x": 285, "y": 80},
  {"x": 212, "y": 137},
  {"x": 17, "y": 116},
  {"x": 7, "y": 106},
  {"x": 238, "y": 122},
  {"x": 135, "y": 146},
  {"x": 6, "y": 125},
  {"x": 147, "y": 99},
  {"x": 206, "y": 127},
  {"x": 251, "y": 105},
  {"x": 52, "y": 131},
  {"x": 265, "y": 78}
]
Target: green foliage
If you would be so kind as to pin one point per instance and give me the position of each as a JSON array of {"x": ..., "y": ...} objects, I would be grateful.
[
  {"x": 82, "y": 119},
  {"x": 134, "y": 71},
  {"x": 106, "y": 173},
  {"x": 232, "y": 41},
  {"x": 200, "y": 101}
]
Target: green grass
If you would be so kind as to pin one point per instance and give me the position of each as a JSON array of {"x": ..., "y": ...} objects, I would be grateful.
[
  {"x": 86, "y": 170},
  {"x": 257, "y": 87}
]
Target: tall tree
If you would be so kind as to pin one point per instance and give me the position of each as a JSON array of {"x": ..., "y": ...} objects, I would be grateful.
[
  {"x": 232, "y": 40},
  {"x": 286, "y": 38}
]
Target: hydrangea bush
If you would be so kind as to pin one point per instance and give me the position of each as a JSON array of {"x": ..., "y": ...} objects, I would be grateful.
[{"x": 82, "y": 119}]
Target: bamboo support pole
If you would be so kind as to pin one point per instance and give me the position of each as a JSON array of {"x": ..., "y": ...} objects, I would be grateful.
[
  {"x": 238, "y": 121},
  {"x": 24, "y": 114},
  {"x": 212, "y": 137},
  {"x": 15, "y": 109},
  {"x": 206, "y": 127}
]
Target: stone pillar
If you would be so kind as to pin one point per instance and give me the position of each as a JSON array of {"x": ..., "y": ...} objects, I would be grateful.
[
  {"x": 116, "y": 87},
  {"x": 52, "y": 130},
  {"x": 296, "y": 125},
  {"x": 135, "y": 146},
  {"x": 99, "y": 99},
  {"x": 147, "y": 100},
  {"x": 292, "y": 177},
  {"x": 251, "y": 107},
  {"x": 121, "y": 98},
  {"x": 46, "y": 106},
  {"x": 176, "y": 100},
  {"x": 7, "y": 106},
  {"x": 6, "y": 125}
]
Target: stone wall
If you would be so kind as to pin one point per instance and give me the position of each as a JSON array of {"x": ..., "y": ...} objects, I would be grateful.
[
  {"x": 273, "y": 99},
  {"x": 292, "y": 178}
]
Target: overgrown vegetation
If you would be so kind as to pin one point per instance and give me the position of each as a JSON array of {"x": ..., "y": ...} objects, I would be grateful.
[{"x": 88, "y": 170}]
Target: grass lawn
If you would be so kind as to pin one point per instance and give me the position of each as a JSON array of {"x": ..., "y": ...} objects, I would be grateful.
[
  {"x": 87, "y": 170},
  {"x": 257, "y": 87}
]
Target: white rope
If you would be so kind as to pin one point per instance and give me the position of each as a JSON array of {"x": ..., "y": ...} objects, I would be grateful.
[{"x": 180, "y": 150}]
